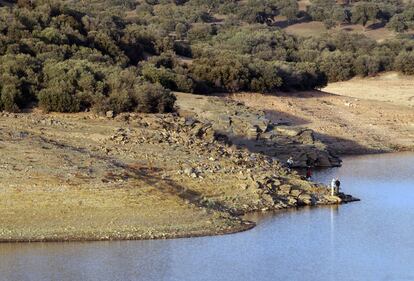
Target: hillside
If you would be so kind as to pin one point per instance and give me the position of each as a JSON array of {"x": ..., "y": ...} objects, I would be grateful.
[{"x": 127, "y": 56}]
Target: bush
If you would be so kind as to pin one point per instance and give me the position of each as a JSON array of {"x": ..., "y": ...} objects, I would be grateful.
[
  {"x": 404, "y": 62},
  {"x": 367, "y": 65},
  {"x": 79, "y": 82},
  {"x": 337, "y": 66},
  {"x": 153, "y": 98},
  {"x": 60, "y": 101},
  {"x": 89, "y": 55},
  {"x": 18, "y": 81}
]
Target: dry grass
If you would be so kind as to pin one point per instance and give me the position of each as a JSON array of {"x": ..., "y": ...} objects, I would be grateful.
[
  {"x": 390, "y": 87},
  {"x": 56, "y": 184},
  {"x": 303, "y": 4},
  {"x": 306, "y": 29},
  {"x": 315, "y": 29}
]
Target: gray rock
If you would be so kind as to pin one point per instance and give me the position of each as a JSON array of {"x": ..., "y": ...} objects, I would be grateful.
[
  {"x": 189, "y": 171},
  {"x": 306, "y": 137},
  {"x": 109, "y": 114},
  {"x": 289, "y": 131}
]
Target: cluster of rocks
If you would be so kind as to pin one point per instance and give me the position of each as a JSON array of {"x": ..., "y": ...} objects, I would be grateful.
[
  {"x": 250, "y": 128},
  {"x": 214, "y": 155}
]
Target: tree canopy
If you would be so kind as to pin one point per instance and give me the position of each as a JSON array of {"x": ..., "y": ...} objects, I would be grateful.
[{"x": 129, "y": 55}]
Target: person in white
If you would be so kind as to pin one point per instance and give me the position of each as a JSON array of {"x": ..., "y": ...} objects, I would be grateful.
[
  {"x": 289, "y": 163},
  {"x": 333, "y": 186}
]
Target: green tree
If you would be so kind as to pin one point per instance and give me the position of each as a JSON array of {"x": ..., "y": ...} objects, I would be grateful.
[
  {"x": 398, "y": 23},
  {"x": 363, "y": 12},
  {"x": 338, "y": 66}
]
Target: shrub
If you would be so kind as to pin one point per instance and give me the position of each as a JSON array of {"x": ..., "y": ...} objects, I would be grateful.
[
  {"x": 367, "y": 65},
  {"x": 153, "y": 98},
  {"x": 18, "y": 81},
  {"x": 52, "y": 99},
  {"x": 337, "y": 66},
  {"x": 404, "y": 62}
]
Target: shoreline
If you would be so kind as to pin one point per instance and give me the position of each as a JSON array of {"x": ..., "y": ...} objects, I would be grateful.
[
  {"x": 245, "y": 225},
  {"x": 77, "y": 177},
  {"x": 80, "y": 177}
]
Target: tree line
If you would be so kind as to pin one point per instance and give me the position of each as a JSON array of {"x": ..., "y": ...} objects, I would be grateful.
[{"x": 128, "y": 56}]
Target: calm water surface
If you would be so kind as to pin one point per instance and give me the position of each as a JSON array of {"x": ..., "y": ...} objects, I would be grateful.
[{"x": 369, "y": 240}]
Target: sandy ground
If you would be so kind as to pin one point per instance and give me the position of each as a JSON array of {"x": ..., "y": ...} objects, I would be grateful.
[
  {"x": 390, "y": 87},
  {"x": 348, "y": 125}
]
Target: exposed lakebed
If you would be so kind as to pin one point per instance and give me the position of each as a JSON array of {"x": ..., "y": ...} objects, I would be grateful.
[{"x": 368, "y": 240}]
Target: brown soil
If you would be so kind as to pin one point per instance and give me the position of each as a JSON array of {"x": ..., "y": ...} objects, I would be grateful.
[
  {"x": 390, "y": 87},
  {"x": 84, "y": 177},
  {"x": 346, "y": 124}
]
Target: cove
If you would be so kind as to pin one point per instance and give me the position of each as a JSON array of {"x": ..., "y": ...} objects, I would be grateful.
[{"x": 368, "y": 240}]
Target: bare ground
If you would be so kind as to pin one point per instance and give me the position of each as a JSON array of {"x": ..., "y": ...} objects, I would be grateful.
[
  {"x": 348, "y": 125},
  {"x": 84, "y": 177},
  {"x": 316, "y": 29},
  {"x": 390, "y": 87}
]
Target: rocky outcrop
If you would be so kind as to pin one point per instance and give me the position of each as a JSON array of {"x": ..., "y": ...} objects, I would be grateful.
[
  {"x": 251, "y": 129},
  {"x": 254, "y": 173}
]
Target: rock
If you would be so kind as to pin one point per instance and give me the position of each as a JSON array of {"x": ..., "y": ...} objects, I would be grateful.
[
  {"x": 295, "y": 192},
  {"x": 269, "y": 135},
  {"x": 262, "y": 123},
  {"x": 306, "y": 199},
  {"x": 284, "y": 189},
  {"x": 289, "y": 131},
  {"x": 190, "y": 121},
  {"x": 328, "y": 199},
  {"x": 306, "y": 137},
  {"x": 244, "y": 186},
  {"x": 323, "y": 160},
  {"x": 292, "y": 201},
  {"x": 224, "y": 120},
  {"x": 109, "y": 114},
  {"x": 189, "y": 171},
  {"x": 252, "y": 131}
]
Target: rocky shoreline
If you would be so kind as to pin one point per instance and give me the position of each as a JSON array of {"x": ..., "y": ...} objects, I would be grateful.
[{"x": 86, "y": 177}]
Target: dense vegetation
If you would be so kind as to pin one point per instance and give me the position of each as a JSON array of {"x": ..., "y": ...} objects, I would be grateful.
[{"x": 127, "y": 55}]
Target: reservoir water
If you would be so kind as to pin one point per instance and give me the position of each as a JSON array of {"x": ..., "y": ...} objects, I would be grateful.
[{"x": 368, "y": 240}]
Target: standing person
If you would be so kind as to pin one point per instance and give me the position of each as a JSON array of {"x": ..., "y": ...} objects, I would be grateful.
[
  {"x": 333, "y": 187},
  {"x": 308, "y": 168},
  {"x": 289, "y": 163},
  {"x": 309, "y": 162},
  {"x": 337, "y": 185},
  {"x": 308, "y": 173}
]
